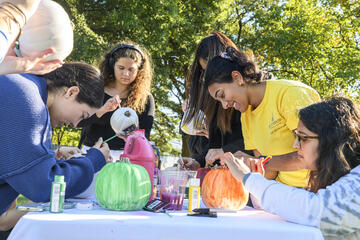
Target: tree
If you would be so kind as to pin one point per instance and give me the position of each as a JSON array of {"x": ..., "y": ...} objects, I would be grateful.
[
  {"x": 316, "y": 42},
  {"x": 168, "y": 29}
]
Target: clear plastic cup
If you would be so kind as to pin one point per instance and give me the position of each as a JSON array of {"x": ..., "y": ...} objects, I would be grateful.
[{"x": 172, "y": 187}]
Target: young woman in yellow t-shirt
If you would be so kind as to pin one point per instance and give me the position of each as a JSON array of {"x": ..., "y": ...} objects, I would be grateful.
[{"x": 269, "y": 111}]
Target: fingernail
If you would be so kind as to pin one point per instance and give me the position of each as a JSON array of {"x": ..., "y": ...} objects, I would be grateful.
[{"x": 100, "y": 139}]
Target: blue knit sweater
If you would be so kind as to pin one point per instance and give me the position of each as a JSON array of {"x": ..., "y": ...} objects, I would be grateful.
[{"x": 27, "y": 163}]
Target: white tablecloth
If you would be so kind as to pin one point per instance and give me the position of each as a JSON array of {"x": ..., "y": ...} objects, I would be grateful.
[{"x": 103, "y": 224}]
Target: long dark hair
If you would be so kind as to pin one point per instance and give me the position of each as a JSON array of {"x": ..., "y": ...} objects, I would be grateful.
[
  {"x": 337, "y": 123},
  {"x": 82, "y": 75},
  {"x": 208, "y": 48},
  {"x": 139, "y": 90},
  {"x": 219, "y": 69}
]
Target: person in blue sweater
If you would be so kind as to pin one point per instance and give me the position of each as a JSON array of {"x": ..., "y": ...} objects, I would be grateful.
[{"x": 30, "y": 106}]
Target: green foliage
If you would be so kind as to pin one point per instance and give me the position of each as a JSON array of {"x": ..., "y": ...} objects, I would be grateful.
[
  {"x": 168, "y": 29},
  {"x": 88, "y": 45},
  {"x": 65, "y": 136},
  {"x": 316, "y": 42},
  {"x": 311, "y": 41}
]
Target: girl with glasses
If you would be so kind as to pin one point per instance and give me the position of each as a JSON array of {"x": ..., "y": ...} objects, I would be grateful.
[{"x": 328, "y": 144}]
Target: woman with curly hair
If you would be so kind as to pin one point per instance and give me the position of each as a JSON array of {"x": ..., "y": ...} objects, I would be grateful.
[
  {"x": 327, "y": 140},
  {"x": 127, "y": 72}
]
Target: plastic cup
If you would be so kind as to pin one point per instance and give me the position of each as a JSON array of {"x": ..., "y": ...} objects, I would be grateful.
[{"x": 172, "y": 188}]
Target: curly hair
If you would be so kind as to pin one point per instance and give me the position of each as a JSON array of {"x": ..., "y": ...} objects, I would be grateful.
[
  {"x": 140, "y": 88},
  {"x": 337, "y": 123}
]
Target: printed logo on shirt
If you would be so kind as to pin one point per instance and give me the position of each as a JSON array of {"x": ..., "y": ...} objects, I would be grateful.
[{"x": 276, "y": 124}]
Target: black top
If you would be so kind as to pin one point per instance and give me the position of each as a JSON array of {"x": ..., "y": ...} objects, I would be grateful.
[
  {"x": 197, "y": 145},
  {"x": 94, "y": 127},
  {"x": 230, "y": 142}
]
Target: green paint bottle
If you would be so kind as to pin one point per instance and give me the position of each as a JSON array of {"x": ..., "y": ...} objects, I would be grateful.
[{"x": 57, "y": 194}]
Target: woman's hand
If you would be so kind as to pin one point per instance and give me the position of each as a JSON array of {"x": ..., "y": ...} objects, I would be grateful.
[
  {"x": 237, "y": 166},
  {"x": 240, "y": 154},
  {"x": 110, "y": 105},
  {"x": 37, "y": 64},
  {"x": 9, "y": 218},
  {"x": 66, "y": 152},
  {"x": 104, "y": 149},
  {"x": 188, "y": 164},
  {"x": 255, "y": 165},
  {"x": 213, "y": 155}
]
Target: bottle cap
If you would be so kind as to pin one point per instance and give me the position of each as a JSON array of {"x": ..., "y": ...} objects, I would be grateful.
[
  {"x": 59, "y": 178},
  {"x": 84, "y": 205},
  {"x": 195, "y": 182},
  {"x": 141, "y": 131}
]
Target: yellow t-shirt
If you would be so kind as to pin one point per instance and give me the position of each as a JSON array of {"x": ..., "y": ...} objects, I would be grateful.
[{"x": 268, "y": 128}]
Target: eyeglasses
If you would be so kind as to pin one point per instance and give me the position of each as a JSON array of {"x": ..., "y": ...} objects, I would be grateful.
[{"x": 301, "y": 138}]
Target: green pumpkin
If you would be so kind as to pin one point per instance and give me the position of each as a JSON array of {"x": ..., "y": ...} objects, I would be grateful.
[{"x": 123, "y": 186}]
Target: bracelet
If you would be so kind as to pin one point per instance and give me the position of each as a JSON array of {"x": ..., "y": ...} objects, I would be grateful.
[
  {"x": 11, "y": 11},
  {"x": 265, "y": 160},
  {"x": 17, "y": 9}
]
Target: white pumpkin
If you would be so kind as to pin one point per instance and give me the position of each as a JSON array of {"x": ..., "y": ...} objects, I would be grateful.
[
  {"x": 50, "y": 26},
  {"x": 194, "y": 125},
  {"x": 124, "y": 119}
]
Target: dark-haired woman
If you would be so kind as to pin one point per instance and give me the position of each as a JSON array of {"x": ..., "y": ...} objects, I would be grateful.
[
  {"x": 30, "y": 106},
  {"x": 328, "y": 144},
  {"x": 224, "y": 126},
  {"x": 127, "y": 72},
  {"x": 269, "y": 111}
]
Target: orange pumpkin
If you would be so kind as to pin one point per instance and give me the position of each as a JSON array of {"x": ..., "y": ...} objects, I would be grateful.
[{"x": 221, "y": 190}]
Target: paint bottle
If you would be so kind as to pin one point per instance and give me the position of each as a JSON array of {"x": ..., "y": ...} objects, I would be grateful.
[
  {"x": 194, "y": 194},
  {"x": 139, "y": 151},
  {"x": 57, "y": 197}
]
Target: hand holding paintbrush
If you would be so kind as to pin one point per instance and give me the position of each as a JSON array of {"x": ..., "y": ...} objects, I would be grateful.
[{"x": 103, "y": 147}]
